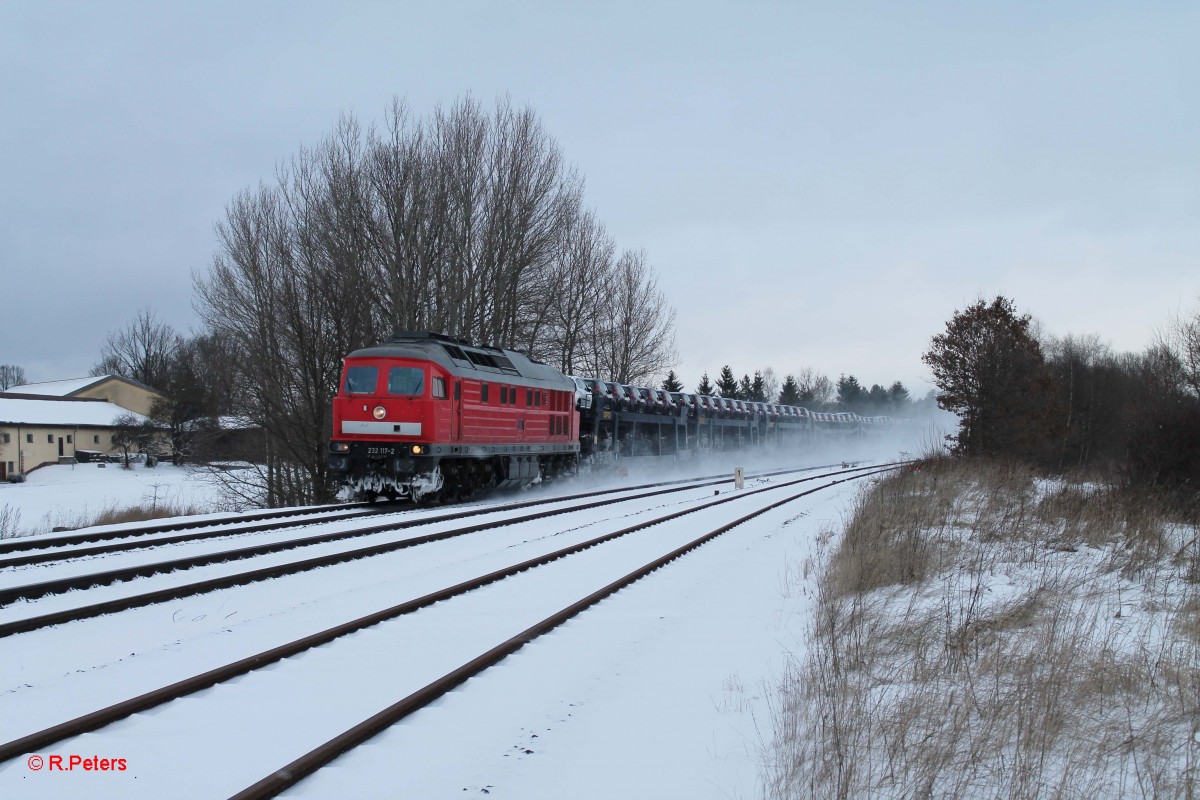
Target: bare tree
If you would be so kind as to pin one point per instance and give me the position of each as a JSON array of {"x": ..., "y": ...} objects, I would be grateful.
[
  {"x": 1183, "y": 340},
  {"x": 530, "y": 194},
  {"x": 130, "y": 431},
  {"x": 635, "y": 339},
  {"x": 468, "y": 217},
  {"x": 467, "y": 223},
  {"x": 248, "y": 282},
  {"x": 11, "y": 375},
  {"x": 411, "y": 220},
  {"x": 814, "y": 388},
  {"x": 292, "y": 291},
  {"x": 141, "y": 351},
  {"x": 770, "y": 382},
  {"x": 581, "y": 269}
]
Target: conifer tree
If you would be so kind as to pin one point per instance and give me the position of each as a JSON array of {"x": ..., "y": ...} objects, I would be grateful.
[
  {"x": 898, "y": 395},
  {"x": 745, "y": 389},
  {"x": 727, "y": 385},
  {"x": 789, "y": 394},
  {"x": 705, "y": 387},
  {"x": 850, "y": 393},
  {"x": 877, "y": 399},
  {"x": 758, "y": 389},
  {"x": 671, "y": 383}
]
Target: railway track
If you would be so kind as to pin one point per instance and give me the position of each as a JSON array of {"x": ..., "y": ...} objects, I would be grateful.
[
  {"x": 41, "y": 589},
  {"x": 105, "y": 533},
  {"x": 366, "y": 728},
  {"x": 63, "y": 548}
]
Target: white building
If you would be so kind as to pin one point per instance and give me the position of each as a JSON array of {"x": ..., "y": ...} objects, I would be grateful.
[{"x": 49, "y": 423}]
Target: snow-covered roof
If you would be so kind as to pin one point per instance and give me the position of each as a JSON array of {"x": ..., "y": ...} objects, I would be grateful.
[
  {"x": 57, "y": 388},
  {"x": 23, "y": 411},
  {"x": 68, "y": 387}
]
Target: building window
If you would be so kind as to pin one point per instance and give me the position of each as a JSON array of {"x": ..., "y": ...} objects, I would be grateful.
[
  {"x": 96, "y": 439},
  {"x": 49, "y": 438},
  {"x": 10, "y": 468},
  {"x": 69, "y": 437},
  {"x": 29, "y": 438},
  {"x": 6, "y": 438}
]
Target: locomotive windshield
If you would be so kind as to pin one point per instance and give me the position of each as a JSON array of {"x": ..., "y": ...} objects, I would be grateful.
[
  {"x": 406, "y": 380},
  {"x": 361, "y": 380}
]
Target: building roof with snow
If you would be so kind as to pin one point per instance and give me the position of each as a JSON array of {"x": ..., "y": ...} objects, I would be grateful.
[
  {"x": 59, "y": 412},
  {"x": 73, "y": 386},
  {"x": 55, "y": 388},
  {"x": 129, "y": 394}
]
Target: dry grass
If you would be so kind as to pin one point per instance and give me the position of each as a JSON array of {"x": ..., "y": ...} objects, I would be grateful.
[
  {"x": 10, "y": 522},
  {"x": 981, "y": 633},
  {"x": 113, "y": 515}
]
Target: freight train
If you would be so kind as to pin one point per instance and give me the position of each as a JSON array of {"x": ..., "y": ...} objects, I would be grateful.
[{"x": 424, "y": 416}]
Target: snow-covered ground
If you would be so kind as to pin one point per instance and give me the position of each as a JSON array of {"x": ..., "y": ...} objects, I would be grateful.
[
  {"x": 657, "y": 692},
  {"x": 71, "y": 495}
]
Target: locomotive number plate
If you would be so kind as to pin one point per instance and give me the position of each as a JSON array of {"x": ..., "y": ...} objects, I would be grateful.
[{"x": 381, "y": 451}]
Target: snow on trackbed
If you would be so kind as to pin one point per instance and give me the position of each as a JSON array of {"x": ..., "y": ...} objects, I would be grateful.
[{"x": 657, "y": 692}]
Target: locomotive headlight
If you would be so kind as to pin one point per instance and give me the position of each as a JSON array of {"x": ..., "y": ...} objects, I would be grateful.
[
  {"x": 380, "y": 412},
  {"x": 417, "y": 450},
  {"x": 339, "y": 447}
]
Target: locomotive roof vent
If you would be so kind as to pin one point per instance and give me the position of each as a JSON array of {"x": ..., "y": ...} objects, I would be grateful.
[{"x": 410, "y": 336}]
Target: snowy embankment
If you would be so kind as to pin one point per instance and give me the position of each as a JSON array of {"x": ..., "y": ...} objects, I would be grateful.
[{"x": 982, "y": 633}]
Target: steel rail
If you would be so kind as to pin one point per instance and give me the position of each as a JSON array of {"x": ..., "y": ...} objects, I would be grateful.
[
  {"x": 290, "y": 568},
  {"x": 117, "y": 547},
  {"x": 38, "y": 543},
  {"x": 117, "y": 711},
  {"x": 32, "y": 591},
  {"x": 66, "y": 554},
  {"x": 291, "y": 774}
]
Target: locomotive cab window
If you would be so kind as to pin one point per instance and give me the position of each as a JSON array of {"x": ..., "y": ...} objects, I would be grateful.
[
  {"x": 361, "y": 380},
  {"x": 439, "y": 388},
  {"x": 406, "y": 381}
]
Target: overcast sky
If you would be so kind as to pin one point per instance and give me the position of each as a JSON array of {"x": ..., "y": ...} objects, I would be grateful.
[{"x": 817, "y": 184}]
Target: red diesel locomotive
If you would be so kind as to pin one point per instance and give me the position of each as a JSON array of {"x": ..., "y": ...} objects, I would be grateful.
[{"x": 424, "y": 414}]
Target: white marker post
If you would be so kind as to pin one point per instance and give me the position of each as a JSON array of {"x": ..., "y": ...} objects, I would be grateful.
[{"x": 739, "y": 478}]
